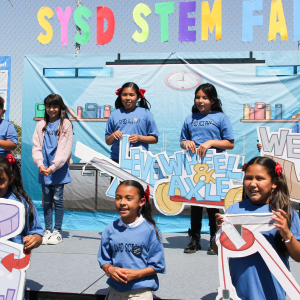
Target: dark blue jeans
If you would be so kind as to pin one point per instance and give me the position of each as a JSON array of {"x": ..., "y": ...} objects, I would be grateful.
[{"x": 53, "y": 193}]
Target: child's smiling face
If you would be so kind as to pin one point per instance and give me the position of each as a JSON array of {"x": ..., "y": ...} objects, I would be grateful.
[
  {"x": 4, "y": 183},
  {"x": 258, "y": 184},
  {"x": 128, "y": 203},
  {"x": 129, "y": 98},
  {"x": 203, "y": 103},
  {"x": 53, "y": 111}
]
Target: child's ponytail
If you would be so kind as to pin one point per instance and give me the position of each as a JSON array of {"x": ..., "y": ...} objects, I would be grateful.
[
  {"x": 140, "y": 92},
  {"x": 11, "y": 168}
]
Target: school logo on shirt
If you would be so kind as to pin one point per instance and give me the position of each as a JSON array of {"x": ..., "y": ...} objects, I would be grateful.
[
  {"x": 196, "y": 123},
  {"x": 130, "y": 121},
  {"x": 137, "y": 251}
]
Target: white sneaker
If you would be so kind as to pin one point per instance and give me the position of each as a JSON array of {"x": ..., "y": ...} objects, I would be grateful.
[
  {"x": 55, "y": 238},
  {"x": 46, "y": 236}
]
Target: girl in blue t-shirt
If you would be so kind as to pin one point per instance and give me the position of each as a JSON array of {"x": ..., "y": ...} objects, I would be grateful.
[
  {"x": 206, "y": 128},
  {"x": 51, "y": 152},
  {"x": 131, "y": 250},
  {"x": 265, "y": 190},
  {"x": 132, "y": 116},
  {"x": 11, "y": 187}
]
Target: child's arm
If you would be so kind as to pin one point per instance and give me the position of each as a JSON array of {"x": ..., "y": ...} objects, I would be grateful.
[
  {"x": 188, "y": 145},
  {"x": 219, "y": 220},
  {"x": 137, "y": 274},
  {"x": 149, "y": 139},
  {"x": 7, "y": 145},
  {"x": 117, "y": 135},
  {"x": 117, "y": 274},
  {"x": 293, "y": 246},
  {"x": 32, "y": 241},
  {"x": 10, "y": 141},
  {"x": 221, "y": 144},
  {"x": 37, "y": 146}
]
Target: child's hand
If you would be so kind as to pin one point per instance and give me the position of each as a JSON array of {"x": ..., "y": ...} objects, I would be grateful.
[
  {"x": 29, "y": 242},
  {"x": 131, "y": 274},
  {"x": 219, "y": 220},
  {"x": 42, "y": 170},
  {"x": 190, "y": 145},
  {"x": 282, "y": 224},
  {"x": 48, "y": 171},
  {"x": 117, "y": 135},
  {"x": 259, "y": 146},
  {"x": 203, "y": 148},
  {"x": 134, "y": 138},
  {"x": 117, "y": 274}
]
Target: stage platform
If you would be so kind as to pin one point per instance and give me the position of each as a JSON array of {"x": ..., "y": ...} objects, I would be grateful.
[{"x": 72, "y": 267}]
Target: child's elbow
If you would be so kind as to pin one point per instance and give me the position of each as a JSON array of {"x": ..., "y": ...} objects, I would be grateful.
[{"x": 231, "y": 145}]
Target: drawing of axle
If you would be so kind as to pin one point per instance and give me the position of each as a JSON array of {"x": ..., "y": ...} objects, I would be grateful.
[
  {"x": 174, "y": 205},
  {"x": 240, "y": 236}
]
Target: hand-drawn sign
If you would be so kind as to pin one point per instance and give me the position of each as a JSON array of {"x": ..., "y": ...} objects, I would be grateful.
[
  {"x": 14, "y": 262},
  {"x": 183, "y": 179},
  {"x": 232, "y": 244}
]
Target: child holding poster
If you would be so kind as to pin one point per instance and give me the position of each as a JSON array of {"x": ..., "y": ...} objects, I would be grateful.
[
  {"x": 132, "y": 116},
  {"x": 264, "y": 190},
  {"x": 131, "y": 251},
  {"x": 206, "y": 128}
]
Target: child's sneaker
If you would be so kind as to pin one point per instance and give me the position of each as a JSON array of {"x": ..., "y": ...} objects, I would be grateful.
[
  {"x": 55, "y": 238},
  {"x": 46, "y": 236}
]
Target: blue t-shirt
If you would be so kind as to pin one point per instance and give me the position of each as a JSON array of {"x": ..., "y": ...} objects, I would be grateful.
[
  {"x": 201, "y": 128},
  {"x": 61, "y": 175},
  {"x": 8, "y": 132},
  {"x": 139, "y": 121},
  {"x": 36, "y": 225},
  {"x": 250, "y": 275},
  {"x": 135, "y": 248}
]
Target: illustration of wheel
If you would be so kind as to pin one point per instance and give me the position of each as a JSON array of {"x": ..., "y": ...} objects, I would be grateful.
[
  {"x": 234, "y": 195},
  {"x": 173, "y": 206},
  {"x": 164, "y": 201}
]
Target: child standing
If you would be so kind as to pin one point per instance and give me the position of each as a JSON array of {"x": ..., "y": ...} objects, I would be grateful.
[
  {"x": 130, "y": 117},
  {"x": 11, "y": 187},
  {"x": 265, "y": 190},
  {"x": 131, "y": 250},
  {"x": 8, "y": 133},
  {"x": 51, "y": 152},
  {"x": 206, "y": 128}
]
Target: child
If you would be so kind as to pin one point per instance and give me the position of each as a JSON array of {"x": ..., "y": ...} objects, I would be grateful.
[
  {"x": 265, "y": 190},
  {"x": 8, "y": 133},
  {"x": 11, "y": 187},
  {"x": 131, "y": 250},
  {"x": 51, "y": 152},
  {"x": 130, "y": 117},
  {"x": 206, "y": 128}
]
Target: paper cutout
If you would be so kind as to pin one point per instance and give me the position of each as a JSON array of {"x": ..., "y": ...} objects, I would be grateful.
[
  {"x": 14, "y": 262},
  {"x": 85, "y": 12},
  {"x": 186, "y": 35},
  {"x": 251, "y": 227},
  {"x": 249, "y": 20},
  {"x": 64, "y": 21},
  {"x": 184, "y": 179},
  {"x": 283, "y": 146},
  {"x": 48, "y": 12},
  {"x": 211, "y": 19},
  {"x": 164, "y": 9},
  {"x": 280, "y": 26},
  {"x": 296, "y": 19},
  {"x": 144, "y": 9},
  {"x": 107, "y": 14}
]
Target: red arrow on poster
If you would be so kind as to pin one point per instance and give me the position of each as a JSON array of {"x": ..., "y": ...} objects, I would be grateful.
[{"x": 9, "y": 262}]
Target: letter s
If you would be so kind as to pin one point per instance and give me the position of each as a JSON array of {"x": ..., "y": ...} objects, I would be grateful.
[{"x": 48, "y": 12}]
